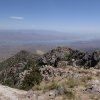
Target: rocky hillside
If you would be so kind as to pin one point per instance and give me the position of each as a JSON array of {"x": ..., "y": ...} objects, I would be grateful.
[
  {"x": 68, "y": 56},
  {"x": 68, "y": 83},
  {"x": 60, "y": 74},
  {"x": 14, "y": 69}
]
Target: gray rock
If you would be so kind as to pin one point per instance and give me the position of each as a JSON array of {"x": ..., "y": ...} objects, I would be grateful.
[
  {"x": 59, "y": 91},
  {"x": 94, "y": 87},
  {"x": 31, "y": 95}
]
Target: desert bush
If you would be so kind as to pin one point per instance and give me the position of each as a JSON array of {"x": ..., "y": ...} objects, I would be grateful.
[
  {"x": 34, "y": 78},
  {"x": 8, "y": 82},
  {"x": 67, "y": 57}
]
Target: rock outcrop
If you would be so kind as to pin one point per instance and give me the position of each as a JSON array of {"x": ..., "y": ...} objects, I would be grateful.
[
  {"x": 62, "y": 56},
  {"x": 49, "y": 72}
]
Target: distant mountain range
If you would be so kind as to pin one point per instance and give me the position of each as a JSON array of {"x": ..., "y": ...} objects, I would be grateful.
[{"x": 12, "y": 41}]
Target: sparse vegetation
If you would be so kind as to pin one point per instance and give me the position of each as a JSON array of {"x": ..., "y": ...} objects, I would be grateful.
[
  {"x": 51, "y": 86},
  {"x": 69, "y": 94},
  {"x": 85, "y": 79},
  {"x": 71, "y": 83},
  {"x": 67, "y": 57},
  {"x": 46, "y": 87}
]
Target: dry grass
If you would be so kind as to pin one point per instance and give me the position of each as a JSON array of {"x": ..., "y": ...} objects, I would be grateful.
[
  {"x": 71, "y": 83},
  {"x": 46, "y": 87},
  {"x": 69, "y": 94}
]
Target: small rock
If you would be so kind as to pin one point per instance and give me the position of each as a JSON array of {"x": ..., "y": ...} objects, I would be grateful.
[{"x": 59, "y": 91}]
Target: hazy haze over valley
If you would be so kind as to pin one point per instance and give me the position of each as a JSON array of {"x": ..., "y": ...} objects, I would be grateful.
[{"x": 12, "y": 41}]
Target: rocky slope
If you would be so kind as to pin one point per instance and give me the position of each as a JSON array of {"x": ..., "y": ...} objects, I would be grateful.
[
  {"x": 14, "y": 69},
  {"x": 71, "y": 57}
]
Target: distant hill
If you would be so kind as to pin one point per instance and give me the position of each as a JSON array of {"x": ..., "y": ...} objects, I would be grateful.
[{"x": 8, "y": 51}]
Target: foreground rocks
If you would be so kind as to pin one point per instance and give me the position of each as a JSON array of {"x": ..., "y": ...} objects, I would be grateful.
[
  {"x": 60, "y": 83},
  {"x": 7, "y": 93}
]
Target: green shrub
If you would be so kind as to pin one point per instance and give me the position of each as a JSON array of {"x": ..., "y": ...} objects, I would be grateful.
[
  {"x": 34, "y": 78},
  {"x": 8, "y": 82},
  {"x": 67, "y": 57}
]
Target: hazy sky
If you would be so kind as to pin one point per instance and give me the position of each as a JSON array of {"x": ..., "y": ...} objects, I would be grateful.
[{"x": 60, "y": 15}]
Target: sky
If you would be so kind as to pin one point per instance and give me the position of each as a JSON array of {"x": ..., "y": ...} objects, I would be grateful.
[{"x": 59, "y": 15}]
